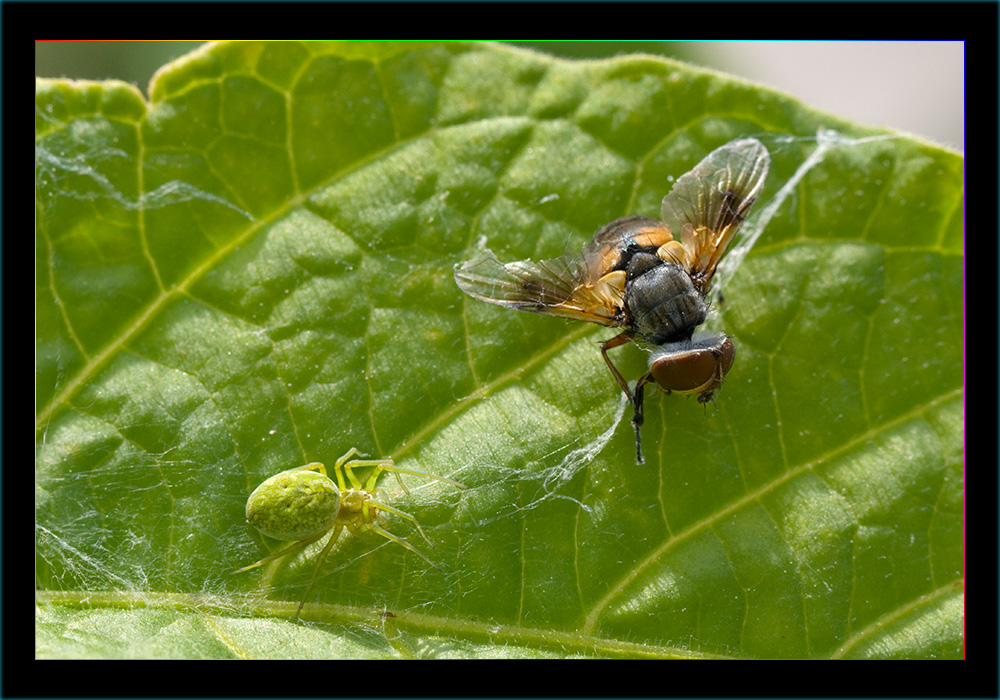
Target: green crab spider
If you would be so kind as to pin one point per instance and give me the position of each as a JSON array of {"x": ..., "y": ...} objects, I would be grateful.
[{"x": 303, "y": 504}]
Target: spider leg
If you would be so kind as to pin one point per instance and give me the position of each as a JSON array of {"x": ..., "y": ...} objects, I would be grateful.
[
  {"x": 350, "y": 453},
  {"x": 397, "y": 470},
  {"x": 319, "y": 560},
  {"x": 380, "y": 466},
  {"x": 387, "y": 465},
  {"x": 298, "y": 544},
  {"x": 342, "y": 467},
  {"x": 312, "y": 466},
  {"x": 390, "y": 509},
  {"x": 397, "y": 540}
]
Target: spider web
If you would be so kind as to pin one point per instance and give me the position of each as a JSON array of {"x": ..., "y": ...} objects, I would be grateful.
[
  {"x": 167, "y": 533},
  {"x": 137, "y": 510}
]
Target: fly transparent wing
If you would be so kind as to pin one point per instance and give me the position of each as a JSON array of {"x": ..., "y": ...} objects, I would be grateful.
[
  {"x": 707, "y": 205},
  {"x": 557, "y": 287},
  {"x": 826, "y": 140}
]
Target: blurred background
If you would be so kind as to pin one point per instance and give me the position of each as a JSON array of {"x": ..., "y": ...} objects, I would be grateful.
[{"x": 917, "y": 86}]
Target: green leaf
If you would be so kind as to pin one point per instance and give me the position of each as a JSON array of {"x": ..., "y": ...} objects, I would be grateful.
[{"x": 253, "y": 271}]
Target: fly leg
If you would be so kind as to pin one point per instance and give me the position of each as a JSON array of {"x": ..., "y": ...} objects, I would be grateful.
[
  {"x": 634, "y": 398},
  {"x": 637, "y": 417},
  {"x": 620, "y": 339}
]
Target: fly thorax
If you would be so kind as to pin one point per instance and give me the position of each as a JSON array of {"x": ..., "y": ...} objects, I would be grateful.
[{"x": 664, "y": 304}]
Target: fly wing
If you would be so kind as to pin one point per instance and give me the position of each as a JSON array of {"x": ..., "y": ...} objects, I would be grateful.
[
  {"x": 559, "y": 287},
  {"x": 706, "y": 206}
]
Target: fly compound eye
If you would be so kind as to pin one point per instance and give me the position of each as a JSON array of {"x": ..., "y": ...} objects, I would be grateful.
[
  {"x": 685, "y": 371},
  {"x": 697, "y": 367}
]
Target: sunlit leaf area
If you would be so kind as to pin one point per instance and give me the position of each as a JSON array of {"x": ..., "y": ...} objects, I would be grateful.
[{"x": 252, "y": 270}]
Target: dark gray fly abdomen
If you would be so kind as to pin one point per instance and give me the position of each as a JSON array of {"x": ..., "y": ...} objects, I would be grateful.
[{"x": 665, "y": 306}]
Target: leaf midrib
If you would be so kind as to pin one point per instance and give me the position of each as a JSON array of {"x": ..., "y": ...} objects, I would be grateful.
[{"x": 419, "y": 623}]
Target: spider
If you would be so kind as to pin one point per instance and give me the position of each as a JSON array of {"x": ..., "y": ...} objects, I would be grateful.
[{"x": 303, "y": 504}]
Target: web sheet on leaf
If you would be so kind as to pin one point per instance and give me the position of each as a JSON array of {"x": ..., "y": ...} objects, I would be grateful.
[{"x": 138, "y": 519}]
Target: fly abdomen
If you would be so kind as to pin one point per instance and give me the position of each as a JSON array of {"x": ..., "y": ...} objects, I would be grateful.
[{"x": 664, "y": 305}]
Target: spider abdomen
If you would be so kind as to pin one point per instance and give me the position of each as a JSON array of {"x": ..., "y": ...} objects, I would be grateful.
[{"x": 293, "y": 505}]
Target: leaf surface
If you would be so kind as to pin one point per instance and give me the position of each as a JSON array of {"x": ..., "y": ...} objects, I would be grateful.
[{"x": 253, "y": 271}]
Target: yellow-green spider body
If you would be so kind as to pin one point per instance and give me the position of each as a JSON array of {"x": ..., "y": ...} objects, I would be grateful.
[
  {"x": 295, "y": 504},
  {"x": 303, "y": 504}
]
